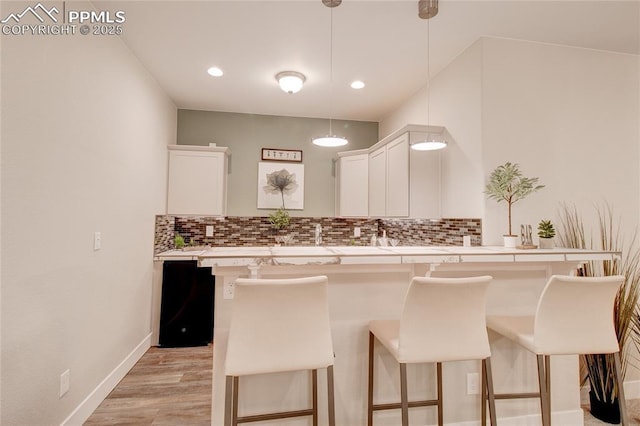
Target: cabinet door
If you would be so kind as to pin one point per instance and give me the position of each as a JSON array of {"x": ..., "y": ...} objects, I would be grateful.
[
  {"x": 197, "y": 183},
  {"x": 378, "y": 182},
  {"x": 397, "y": 203},
  {"x": 353, "y": 186},
  {"x": 425, "y": 184}
]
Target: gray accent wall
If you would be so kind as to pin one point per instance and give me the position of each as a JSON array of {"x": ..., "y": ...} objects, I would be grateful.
[{"x": 247, "y": 134}]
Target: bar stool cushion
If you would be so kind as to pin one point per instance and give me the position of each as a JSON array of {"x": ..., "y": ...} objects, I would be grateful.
[
  {"x": 279, "y": 325},
  {"x": 573, "y": 316},
  {"x": 442, "y": 320}
]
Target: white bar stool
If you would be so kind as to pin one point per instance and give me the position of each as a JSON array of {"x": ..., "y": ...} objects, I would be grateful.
[
  {"x": 443, "y": 319},
  {"x": 279, "y": 325},
  {"x": 574, "y": 316}
]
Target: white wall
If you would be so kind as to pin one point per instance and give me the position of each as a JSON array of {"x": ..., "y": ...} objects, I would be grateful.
[
  {"x": 84, "y": 138},
  {"x": 568, "y": 116}
]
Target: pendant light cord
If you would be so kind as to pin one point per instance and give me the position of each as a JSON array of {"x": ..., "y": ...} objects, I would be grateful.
[
  {"x": 428, "y": 76},
  {"x": 331, "y": 71}
]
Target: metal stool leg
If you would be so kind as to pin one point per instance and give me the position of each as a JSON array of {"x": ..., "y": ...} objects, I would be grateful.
[
  {"x": 542, "y": 383},
  {"x": 314, "y": 396},
  {"x": 404, "y": 398},
  {"x": 227, "y": 400},
  {"x": 488, "y": 379},
  {"x": 370, "y": 390},
  {"x": 330, "y": 396}
]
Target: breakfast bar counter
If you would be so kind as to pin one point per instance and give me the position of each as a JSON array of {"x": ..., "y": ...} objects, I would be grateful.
[{"x": 369, "y": 283}]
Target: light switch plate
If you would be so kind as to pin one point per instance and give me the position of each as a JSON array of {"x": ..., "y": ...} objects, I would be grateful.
[
  {"x": 97, "y": 241},
  {"x": 209, "y": 231}
]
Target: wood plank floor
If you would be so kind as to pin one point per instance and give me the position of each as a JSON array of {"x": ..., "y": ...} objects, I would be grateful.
[
  {"x": 167, "y": 386},
  {"x": 172, "y": 386}
]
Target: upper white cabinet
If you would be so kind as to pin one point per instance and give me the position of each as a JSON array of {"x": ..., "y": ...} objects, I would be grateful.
[
  {"x": 401, "y": 182},
  {"x": 377, "y": 187},
  {"x": 352, "y": 186},
  {"x": 197, "y": 180},
  {"x": 397, "y": 202},
  {"x": 389, "y": 179}
]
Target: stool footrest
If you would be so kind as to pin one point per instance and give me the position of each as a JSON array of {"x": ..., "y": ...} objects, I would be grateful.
[
  {"x": 517, "y": 395},
  {"x": 412, "y": 404},
  {"x": 273, "y": 416}
]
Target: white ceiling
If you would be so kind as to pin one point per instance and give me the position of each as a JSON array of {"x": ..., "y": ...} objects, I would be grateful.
[{"x": 383, "y": 43}]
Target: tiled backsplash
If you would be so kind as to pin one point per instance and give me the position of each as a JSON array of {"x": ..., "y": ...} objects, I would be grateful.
[{"x": 257, "y": 231}]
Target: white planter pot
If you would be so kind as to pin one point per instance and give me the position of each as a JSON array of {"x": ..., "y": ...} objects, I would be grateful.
[
  {"x": 546, "y": 243},
  {"x": 510, "y": 241}
]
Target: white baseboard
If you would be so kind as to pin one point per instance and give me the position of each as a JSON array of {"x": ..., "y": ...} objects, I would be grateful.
[
  {"x": 565, "y": 418},
  {"x": 93, "y": 400}
]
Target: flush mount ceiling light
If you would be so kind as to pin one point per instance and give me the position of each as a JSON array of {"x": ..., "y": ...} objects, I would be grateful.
[
  {"x": 431, "y": 140},
  {"x": 331, "y": 140},
  {"x": 290, "y": 81}
]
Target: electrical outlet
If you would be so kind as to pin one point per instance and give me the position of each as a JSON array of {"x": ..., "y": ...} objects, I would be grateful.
[
  {"x": 228, "y": 288},
  {"x": 65, "y": 382},
  {"x": 473, "y": 383},
  {"x": 356, "y": 231},
  {"x": 209, "y": 231}
]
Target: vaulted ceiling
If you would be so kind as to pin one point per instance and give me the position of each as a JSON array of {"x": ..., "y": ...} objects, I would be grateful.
[{"x": 383, "y": 43}]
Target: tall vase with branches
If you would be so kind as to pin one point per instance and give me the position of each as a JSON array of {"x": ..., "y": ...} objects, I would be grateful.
[{"x": 599, "y": 371}]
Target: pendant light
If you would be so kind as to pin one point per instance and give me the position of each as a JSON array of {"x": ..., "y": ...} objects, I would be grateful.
[
  {"x": 330, "y": 140},
  {"x": 432, "y": 140}
]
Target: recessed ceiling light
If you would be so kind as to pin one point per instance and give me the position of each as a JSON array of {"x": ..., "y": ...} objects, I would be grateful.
[
  {"x": 357, "y": 84},
  {"x": 215, "y": 71}
]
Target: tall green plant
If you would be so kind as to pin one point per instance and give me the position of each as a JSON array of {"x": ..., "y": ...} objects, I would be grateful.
[
  {"x": 506, "y": 183},
  {"x": 599, "y": 368}
]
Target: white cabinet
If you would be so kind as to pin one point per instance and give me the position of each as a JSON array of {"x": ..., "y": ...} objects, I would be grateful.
[
  {"x": 424, "y": 187},
  {"x": 197, "y": 180},
  {"x": 397, "y": 202},
  {"x": 400, "y": 182},
  {"x": 352, "y": 193},
  {"x": 378, "y": 182},
  {"x": 389, "y": 179}
]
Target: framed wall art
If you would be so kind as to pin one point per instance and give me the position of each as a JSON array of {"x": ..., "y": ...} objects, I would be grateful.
[
  {"x": 272, "y": 154},
  {"x": 280, "y": 185}
]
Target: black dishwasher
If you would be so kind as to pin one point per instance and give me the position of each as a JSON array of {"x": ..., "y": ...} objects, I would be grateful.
[{"x": 186, "y": 310}]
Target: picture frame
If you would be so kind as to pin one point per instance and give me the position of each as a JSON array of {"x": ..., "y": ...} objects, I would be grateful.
[
  {"x": 271, "y": 176},
  {"x": 273, "y": 154}
]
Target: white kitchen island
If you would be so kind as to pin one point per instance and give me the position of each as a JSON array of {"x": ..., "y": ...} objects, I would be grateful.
[{"x": 367, "y": 283}]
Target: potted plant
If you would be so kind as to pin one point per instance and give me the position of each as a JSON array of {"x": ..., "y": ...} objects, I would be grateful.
[
  {"x": 280, "y": 219},
  {"x": 506, "y": 183},
  {"x": 598, "y": 369},
  {"x": 546, "y": 232}
]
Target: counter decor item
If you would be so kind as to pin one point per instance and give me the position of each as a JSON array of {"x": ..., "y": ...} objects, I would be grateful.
[
  {"x": 526, "y": 242},
  {"x": 178, "y": 240},
  {"x": 599, "y": 369},
  {"x": 546, "y": 232},
  {"x": 506, "y": 183},
  {"x": 280, "y": 219}
]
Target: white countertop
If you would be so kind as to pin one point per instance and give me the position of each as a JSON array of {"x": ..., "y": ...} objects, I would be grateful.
[{"x": 299, "y": 255}]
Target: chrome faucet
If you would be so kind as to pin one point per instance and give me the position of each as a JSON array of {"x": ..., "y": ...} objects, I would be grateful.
[{"x": 318, "y": 234}]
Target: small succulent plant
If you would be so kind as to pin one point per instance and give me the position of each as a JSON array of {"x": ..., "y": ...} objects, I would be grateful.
[{"x": 546, "y": 229}]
